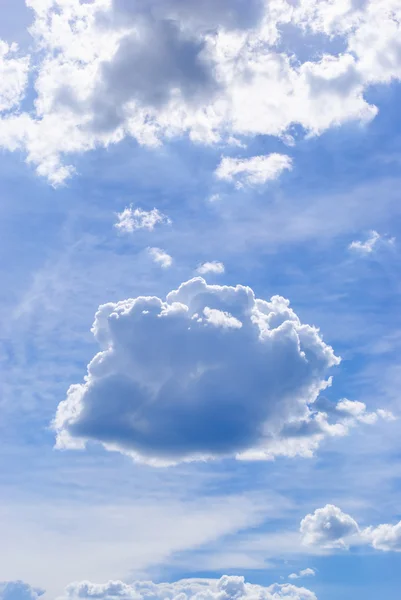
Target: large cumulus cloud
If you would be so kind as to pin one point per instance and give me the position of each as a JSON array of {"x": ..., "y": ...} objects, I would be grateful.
[
  {"x": 226, "y": 588},
  {"x": 210, "y": 371}
]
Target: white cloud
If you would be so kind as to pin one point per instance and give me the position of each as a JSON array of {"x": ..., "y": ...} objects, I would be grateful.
[
  {"x": 220, "y": 318},
  {"x": 255, "y": 170},
  {"x": 107, "y": 69},
  {"x": 211, "y": 371},
  {"x": 371, "y": 243},
  {"x": 18, "y": 590},
  {"x": 160, "y": 257},
  {"x": 386, "y": 415},
  {"x": 226, "y": 588},
  {"x": 214, "y": 267},
  {"x": 329, "y": 527},
  {"x": 304, "y": 573},
  {"x": 130, "y": 219},
  {"x": 357, "y": 411},
  {"x": 384, "y": 537},
  {"x": 13, "y": 76}
]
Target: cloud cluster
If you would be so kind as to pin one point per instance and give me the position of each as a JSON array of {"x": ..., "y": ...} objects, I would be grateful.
[
  {"x": 108, "y": 69},
  {"x": 253, "y": 171},
  {"x": 18, "y": 590},
  {"x": 131, "y": 219},
  {"x": 211, "y": 371},
  {"x": 329, "y": 527},
  {"x": 226, "y": 588}
]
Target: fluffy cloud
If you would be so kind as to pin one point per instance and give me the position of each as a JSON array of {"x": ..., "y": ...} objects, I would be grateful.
[
  {"x": 384, "y": 537},
  {"x": 18, "y": 590},
  {"x": 304, "y": 573},
  {"x": 214, "y": 267},
  {"x": 160, "y": 257},
  {"x": 329, "y": 527},
  {"x": 357, "y": 412},
  {"x": 255, "y": 171},
  {"x": 130, "y": 219},
  {"x": 371, "y": 243},
  {"x": 108, "y": 69},
  {"x": 211, "y": 371},
  {"x": 226, "y": 588}
]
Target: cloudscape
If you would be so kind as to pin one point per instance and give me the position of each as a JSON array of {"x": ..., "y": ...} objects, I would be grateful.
[{"x": 200, "y": 324}]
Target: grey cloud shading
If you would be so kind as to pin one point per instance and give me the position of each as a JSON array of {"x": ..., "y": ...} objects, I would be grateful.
[
  {"x": 212, "y": 371},
  {"x": 205, "y": 14},
  {"x": 152, "y": 64}
]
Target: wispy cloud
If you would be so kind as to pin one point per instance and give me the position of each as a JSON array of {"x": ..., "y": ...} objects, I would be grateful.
[
  {"x": 371, "y": 244},
  {"x": 253, "y": 171}
]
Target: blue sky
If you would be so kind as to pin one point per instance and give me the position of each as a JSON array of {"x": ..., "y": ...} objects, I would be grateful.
[{"x": 260, "y": 136}]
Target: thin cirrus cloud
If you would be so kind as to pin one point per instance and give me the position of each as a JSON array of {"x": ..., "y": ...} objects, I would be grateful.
[
  {"x": 160, "y": 257},
  {"x": 131, "y": 219},
  {"x": 226, "y": 588},
  {"x": 256, "y": 170},
  {"x": 212, "y": 371},
  {"x": 110, "y": 77},
  {"x": 330, "y": 527},
  {"x": 211, "y": 268}
]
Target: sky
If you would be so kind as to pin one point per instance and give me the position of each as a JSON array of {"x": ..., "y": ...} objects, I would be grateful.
[{"x": 200, "y": 229}]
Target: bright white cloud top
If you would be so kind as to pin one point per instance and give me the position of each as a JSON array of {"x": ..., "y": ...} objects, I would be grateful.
[
  {"x": 131, "y": 219},
  {"x": 160, "y": 257},
  {"x": 108, "y": 69},
  {"x": 213, "y": 268},
  {"x": 329, "y": 527},
  {"x": 211, "y": 371},
  {"x": 253, "y": 171},
  {"x": 226, "y": 588}
]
